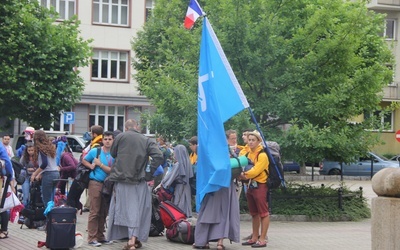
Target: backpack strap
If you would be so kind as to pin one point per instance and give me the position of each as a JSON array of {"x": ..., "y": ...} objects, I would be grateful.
[
  {"x": 98, "y": 151},
  {"x": 259, "y": 152},
  {"x": 265, "y": 169},
  {"x": 97, "y": 155}
]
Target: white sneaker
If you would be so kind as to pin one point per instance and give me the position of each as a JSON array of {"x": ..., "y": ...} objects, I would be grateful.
[
  {"x": 94, "y": 243},
  {"x": 106, "y": 242}
]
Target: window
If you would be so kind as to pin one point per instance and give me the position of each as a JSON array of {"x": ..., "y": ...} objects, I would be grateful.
[
  {"x": 145, "y": 127},
  {"x": 385, "y": 118},
  {"x": 390, "y": 29},
  {"x": 58, "y": 124},
  {"x": 149, "y": 8},
  {"x": 144, "y": 124},
  {"x": 65, "y": 8},
  {"x": 109, "y": 117},
  {"x": 113, "y": 12},
  {"x": 110, "y": 65},
  {"x": 390, "y": 67}
]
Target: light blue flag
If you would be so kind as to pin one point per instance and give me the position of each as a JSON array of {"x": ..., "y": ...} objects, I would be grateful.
[{"x": 219, "y": 98}]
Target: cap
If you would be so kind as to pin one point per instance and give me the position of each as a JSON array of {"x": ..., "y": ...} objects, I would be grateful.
[
  {"x": 256, "y": 134},
  {"x": 29, "y": 130}
]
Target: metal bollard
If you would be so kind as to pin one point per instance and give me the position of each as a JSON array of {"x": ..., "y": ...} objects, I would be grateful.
[
  {"x": 340, "y": 193},
  {"x": 269, "y": 200}
]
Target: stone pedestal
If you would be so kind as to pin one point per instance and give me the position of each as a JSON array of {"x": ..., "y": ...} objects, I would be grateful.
[{"x": 385, "y": 223}]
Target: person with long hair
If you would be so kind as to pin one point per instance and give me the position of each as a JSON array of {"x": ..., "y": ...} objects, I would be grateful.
[
  {"x": 45, "y": 154},
  {"x": 30, "y": 165},
  {"x": 66, "y": 162}
]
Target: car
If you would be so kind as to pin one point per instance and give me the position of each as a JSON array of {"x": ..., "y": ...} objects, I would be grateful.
[
  {"x": 76, "y": 142},
  {"x": 395, "y": 158},
  {"x": 291, "y": 166},
  {"x": 360, "y": 167}
]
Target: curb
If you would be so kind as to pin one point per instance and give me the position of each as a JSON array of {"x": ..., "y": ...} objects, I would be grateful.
[
  {"x": 325, "y": 178},
  {"x": 295, "y": 218}
]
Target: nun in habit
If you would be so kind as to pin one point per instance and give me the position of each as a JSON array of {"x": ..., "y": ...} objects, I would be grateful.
[{"x": 178, "y": 178}]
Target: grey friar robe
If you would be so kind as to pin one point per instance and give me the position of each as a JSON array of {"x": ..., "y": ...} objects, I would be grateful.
[
  {"x": 178, "y": 176},
  {"x": 219, "y": 217}
]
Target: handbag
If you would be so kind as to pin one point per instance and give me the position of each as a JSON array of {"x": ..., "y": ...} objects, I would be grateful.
[
  {"x": 11, "y": 200},
  {"x": 83, "y": 176},
  {"x": 107, "y": 189},
  {"x": 83, "y": 172}
]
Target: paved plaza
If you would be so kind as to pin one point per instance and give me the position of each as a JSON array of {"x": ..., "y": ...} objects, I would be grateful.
[{"x": 282, "y": 235}]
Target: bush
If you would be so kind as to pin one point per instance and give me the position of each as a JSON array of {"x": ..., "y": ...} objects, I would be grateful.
[{"x": 317, "y": 202}]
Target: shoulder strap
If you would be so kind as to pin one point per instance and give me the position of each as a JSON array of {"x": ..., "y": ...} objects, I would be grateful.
[
  {"x": 98, "y": 151},
  {"x": 259, "y": 152}
]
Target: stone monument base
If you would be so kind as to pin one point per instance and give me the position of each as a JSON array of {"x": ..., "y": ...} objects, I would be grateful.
[{"x": 385, "y": 223}]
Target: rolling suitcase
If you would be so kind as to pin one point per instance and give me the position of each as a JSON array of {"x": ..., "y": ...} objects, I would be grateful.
[{"x": 61, "y": 227}]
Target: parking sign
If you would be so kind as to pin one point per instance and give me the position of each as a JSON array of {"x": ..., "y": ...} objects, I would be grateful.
[{"x": 69, "y": 117}]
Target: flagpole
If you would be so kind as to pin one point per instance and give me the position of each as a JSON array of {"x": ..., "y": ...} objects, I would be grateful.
[{"x": 266, "y": 146}]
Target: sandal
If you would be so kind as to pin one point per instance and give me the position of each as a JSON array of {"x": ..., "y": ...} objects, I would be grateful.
[
  {"x": 201, "y": 247},
  {"x": 129, "y": 247},
  {"x": 259, "y": 244},
  {"x": 249, "y": 243},
  {"x": 138, "y": 244},
  {"x": 3, "y": 234},
  {"x": 220, "y": 247}
]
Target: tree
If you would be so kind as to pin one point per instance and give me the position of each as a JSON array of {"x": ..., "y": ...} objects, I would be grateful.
[
  {"x": 310, "y": 66},
  {"x": 38, "y": 70}
]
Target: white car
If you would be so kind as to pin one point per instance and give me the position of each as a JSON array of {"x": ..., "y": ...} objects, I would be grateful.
[{"x": 75, "y": 142}]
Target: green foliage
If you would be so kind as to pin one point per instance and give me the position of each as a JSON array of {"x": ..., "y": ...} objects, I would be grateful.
[
  {"x": 308, "y": 66},
  {"x": 388, "y": 155},
  {"x": 318, "y": 202},
  {"x": 166, "y": 63},
  {"x": 38, "y": 79}
]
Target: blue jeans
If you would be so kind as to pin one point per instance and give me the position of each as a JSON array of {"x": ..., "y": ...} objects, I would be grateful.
[
  {"x": 48, "y": 186},
  {"x": 26, "y": 190}
]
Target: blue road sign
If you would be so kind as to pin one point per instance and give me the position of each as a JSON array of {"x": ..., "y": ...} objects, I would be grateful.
[{"x": 69, "y": 117}]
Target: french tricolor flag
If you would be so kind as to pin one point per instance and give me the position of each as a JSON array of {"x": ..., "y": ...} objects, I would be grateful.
[{"x": 194, "y": 11}]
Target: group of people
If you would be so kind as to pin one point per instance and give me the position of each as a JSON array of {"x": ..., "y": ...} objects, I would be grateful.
[
  {"x": 129, "y": 160},
  {"x": 45, "y": 159},
  {"x": 219, "y": 215}
]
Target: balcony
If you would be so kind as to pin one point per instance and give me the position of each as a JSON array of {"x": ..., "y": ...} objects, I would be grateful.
[
  {"x": 384, "y": 4},
  {"x": 392, "y": 92}
]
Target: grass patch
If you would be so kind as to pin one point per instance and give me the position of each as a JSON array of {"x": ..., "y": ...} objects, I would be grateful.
[{"x": 317, "y": 202}]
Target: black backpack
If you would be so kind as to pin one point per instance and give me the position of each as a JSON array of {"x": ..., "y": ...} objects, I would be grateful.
[
  {"x": 33, "y": 213},
  {"x": 275, "y": 169},
  {"x": 156, "y": 226}
]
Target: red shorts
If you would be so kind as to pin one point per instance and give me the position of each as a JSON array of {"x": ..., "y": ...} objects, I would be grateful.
[{"x": 257, "y": 200}]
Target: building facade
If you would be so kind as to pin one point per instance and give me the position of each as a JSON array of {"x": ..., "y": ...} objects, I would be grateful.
[
  {"x": 391, "y": 93},
  {"x": 110, "y": 96}
]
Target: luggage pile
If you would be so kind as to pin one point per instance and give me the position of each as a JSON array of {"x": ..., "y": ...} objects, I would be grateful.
[{"x": 179, "y": 227}]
